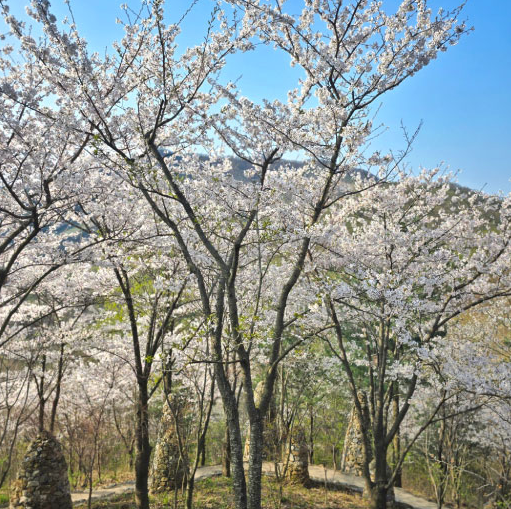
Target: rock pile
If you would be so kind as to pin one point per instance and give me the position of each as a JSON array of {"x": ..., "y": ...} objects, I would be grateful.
[
  {"x": 168, "y": 469},
  {"x": 297, "y": 456},
  {"x": 270, "y": 442},
  {"x": 42, "y": 481},
  {"x": 352, "y": 460}
]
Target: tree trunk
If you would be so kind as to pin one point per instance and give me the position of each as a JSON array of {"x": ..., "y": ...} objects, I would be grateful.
[
  {"x": 70, "y": 464},
  {"x": 189, "y": 492},
  {"x": 203, "y": 455},
  {"x": 226, "y": 455},
  {"x": 89, "y": 500},
  {"x": 143, "y": 452},
  {"x": 130, "y": 452},
  {"x": 99, "y": 464},
  {"x": 57, "y": 389},
  {"x": 396, "y": 443},
  {"x": 311, "y": 435},
  {"x": 237, "y": 469},
  {"x": 255, "y": 463},
  {"x": 40, "y": 389},
  {"x": 379, "y": 496},
  {"x": 441, "y": 488},
  {"x": 235, "y": 443}
]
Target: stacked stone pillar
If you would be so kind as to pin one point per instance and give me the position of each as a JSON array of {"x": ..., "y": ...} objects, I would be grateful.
[
  {"x": 352, "y": 459},
  {"x": 297, "y": 458},
  {"x": 269, "y": 428},
  {"x": 168, "y": 469},
  {"x": 42, "y": 480}
]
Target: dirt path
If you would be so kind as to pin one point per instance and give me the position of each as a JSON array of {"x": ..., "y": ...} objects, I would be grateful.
[
  {"x": 97, "y": 493},
  {"x": 317, "y": 473},
  {"x": 355, "y": 483},
  {"x": 79, "y": 497}
]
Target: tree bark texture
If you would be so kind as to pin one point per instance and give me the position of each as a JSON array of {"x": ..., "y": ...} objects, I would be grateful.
[
  {"x": 143, "y": 448},
  {"x": 255, "y": 463},
  {"x": 226, "y": 455}
]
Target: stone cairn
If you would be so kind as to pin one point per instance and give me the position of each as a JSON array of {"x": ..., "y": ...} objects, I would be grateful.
[
  {"x": 297, "y": 458},
  {"x": 42, "y": 481},
  {"x": 269, "y": 432},
  {"x": 352, "y": 459},
  {"x": 168, "y": 469}
]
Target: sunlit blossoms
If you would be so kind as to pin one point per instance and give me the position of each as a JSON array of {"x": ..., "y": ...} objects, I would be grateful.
[{"x": 170, "y": 247}]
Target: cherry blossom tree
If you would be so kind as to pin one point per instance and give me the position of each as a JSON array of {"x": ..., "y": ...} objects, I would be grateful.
[
  {"x": 36, "y": 162},
  {"x": 89, "y": 402},
  {"x": 151, "y": 111},
  {"x": 472, "y": 368},
  {"x": 36, "y": 360},
  {"x": 479, "y": 360},
  {"x": 136, "y": 296},
  {"x": 403, "y": 262},
  {"x": 190, "y": 394},
  {"x": 16, "y": 407},
  {"x": 149, "y": 316}
]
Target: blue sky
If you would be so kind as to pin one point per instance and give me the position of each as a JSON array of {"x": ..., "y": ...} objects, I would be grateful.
[{"x": 463, "y": 98}]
